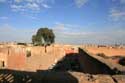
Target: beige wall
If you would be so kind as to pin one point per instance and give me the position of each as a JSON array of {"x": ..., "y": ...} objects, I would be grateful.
[
  {"x": 13, "y": 57},
  {"x": 3, "y": 57}
]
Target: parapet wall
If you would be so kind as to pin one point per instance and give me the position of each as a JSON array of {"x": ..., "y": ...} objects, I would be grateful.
[
  {"x": 82, "y": 62},
  {"x": 91, "y": 65},
  {"x": 112, "y": 65}
]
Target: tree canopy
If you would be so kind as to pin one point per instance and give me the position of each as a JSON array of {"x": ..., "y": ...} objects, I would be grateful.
[{"x": 44, "y": 36}]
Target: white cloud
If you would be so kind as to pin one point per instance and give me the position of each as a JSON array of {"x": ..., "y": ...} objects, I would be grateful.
[
  {"x": 122, "y": 1},
  {"x": 32, "y": 6},
  {"x": 2, "y": 0},
  {"x": 80, "y": 3},
  {"x": 46, "y": 6},
  {"x": 64, "y": 34},
  {"x": 29, "y": 1},
  {"x": 117, "y": 15},
  {"x": 5, "y": 28},
  {"x": 4, "y": 17},
  {"x": 119, "y": 1},
  {"x": 60, "y": 27},
  {"x": 26, "y": 7},
  {"x": 74, "y": 35},
  {"x": 9, "y": 33},
  {"x": 33, "y": 17},
  {"x": 117, "y": 10},
  {"x": 15, "y": 7},
  {"x": 18, "y": 1}
]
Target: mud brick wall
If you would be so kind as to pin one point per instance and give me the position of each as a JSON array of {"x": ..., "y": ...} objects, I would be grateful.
[
  {"x": 16, "y": 58},
  {"x": 92, "y": 65},
  {"x": 13, "y": 57}
]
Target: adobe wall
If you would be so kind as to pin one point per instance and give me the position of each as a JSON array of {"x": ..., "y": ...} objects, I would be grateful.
[
  {"x": 106, "y": 50},
  {"x": 3, "y": 56},
  {"x": 82, "y": 62},
  {"x": 41, "y": 60},
  {"x": 14, "y": 57},
  {"x": 3, "y": 60},
  {"x": 92, "y": 65}
]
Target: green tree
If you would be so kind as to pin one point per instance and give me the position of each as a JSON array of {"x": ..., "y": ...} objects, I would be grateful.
[{"x": 44, "y": 36}]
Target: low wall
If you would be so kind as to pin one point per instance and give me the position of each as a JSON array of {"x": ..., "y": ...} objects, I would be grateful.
[
  {"x": 91, "y": 65},
  {"x": 82, "y": 62}
]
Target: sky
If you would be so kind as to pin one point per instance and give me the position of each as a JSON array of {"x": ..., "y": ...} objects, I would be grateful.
[{"x": 73, "y": 21}]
